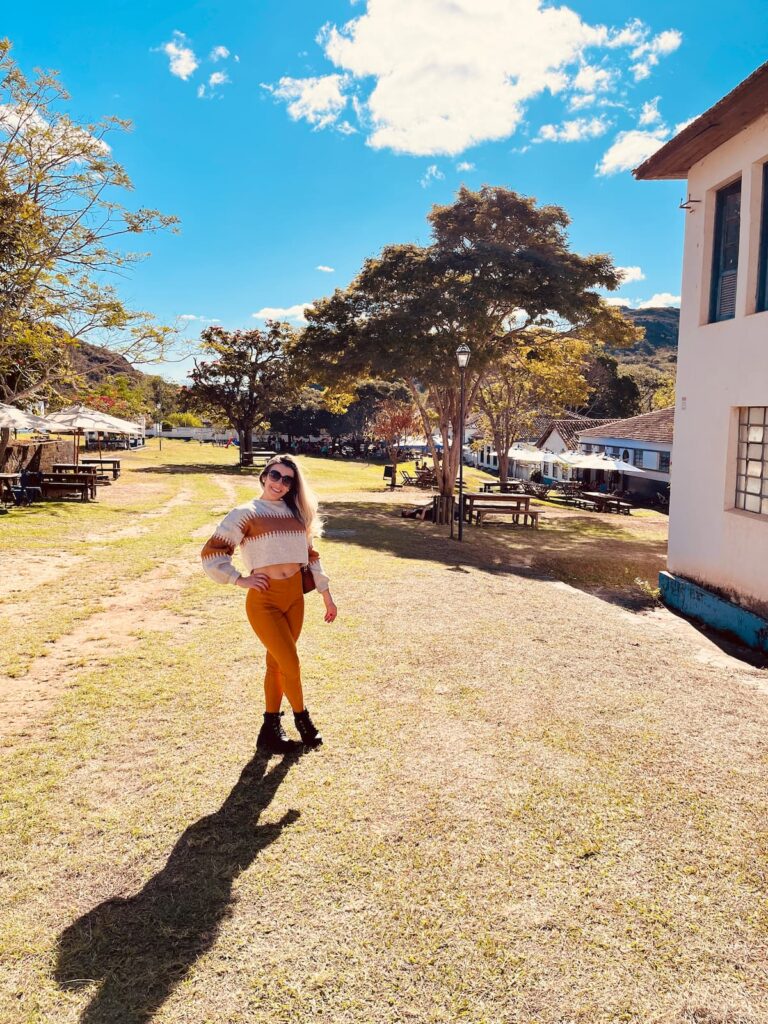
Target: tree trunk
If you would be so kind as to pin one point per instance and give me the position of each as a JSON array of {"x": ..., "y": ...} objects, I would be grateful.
[
  {"x": 5, "y": 440},
  {"x": 245, "y": 434},
  {"x": 503, "y": 468}
]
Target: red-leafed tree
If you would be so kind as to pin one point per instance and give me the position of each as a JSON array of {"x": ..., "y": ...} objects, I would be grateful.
[{"x": 394, "y": 423}]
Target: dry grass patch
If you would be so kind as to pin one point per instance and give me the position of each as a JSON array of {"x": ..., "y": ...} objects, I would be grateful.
[{"x": 534, "y": 806}]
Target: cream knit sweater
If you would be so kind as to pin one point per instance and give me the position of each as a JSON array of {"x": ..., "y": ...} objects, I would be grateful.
[{"x": 267, "y": 533}]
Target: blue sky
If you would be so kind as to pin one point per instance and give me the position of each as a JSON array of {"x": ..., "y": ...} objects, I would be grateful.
[{"x": 290, "y": 137}]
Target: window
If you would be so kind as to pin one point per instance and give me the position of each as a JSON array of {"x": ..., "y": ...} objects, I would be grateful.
[
  {"x": 664, "y": 459},
  {"x": 752, "y": 460},
  {"x": 762, "y": 280},
  {"x": 725, "y": 257}
]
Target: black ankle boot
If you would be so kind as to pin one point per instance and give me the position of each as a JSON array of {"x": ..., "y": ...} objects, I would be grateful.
[
  {"x": 272, "y": 738},
  {"x": 307, "y": 729}
]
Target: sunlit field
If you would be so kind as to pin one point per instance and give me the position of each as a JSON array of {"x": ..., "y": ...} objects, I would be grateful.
[{"x": 541, "y": 797}]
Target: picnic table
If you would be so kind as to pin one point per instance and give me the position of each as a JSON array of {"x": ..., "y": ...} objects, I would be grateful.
[
  {"x": 478, "y": 504},
  {"x": 73, "y": 467},
  {"x": 513, "y": 486},
  {"x": 260, "y": 457},
  {"x": 114, "y": 465},
  {"x": 605, "y": 502},
  {"x": 83, "y": 483}
]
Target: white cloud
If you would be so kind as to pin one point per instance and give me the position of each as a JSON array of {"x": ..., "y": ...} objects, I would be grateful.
[
  {"x": 218, "y": 53},
  {"x": 616, "y": 300},
  {"x": 437, "y": 77},
  {"x": 580, "y": 102},
  {"x": 647, "y": 54},
  {"x": 183, "y": 62},
  {"x": 433, "y": 173},
  {"x": 217, "y": 78},
  {"x": 630, "y": 149},
  {"x": 591, "y": 79},
  {"x": 465, "y": 166},
  {"x": 317, "y": 100},
  {"x": 283, "y": 313},
  {"x": 326, "y": 270},
  {"x": 630, "y": 274},
  {"x": 660, "y": 299},
  {"x": 346, "y": 128},
  {"x": 200, "y": 91},
  {"x": 650, "y": 113},
  {"x": 75, "y": 142},
  {"x": 574, "y": 131},
  {"x": 190, "y": 317}
]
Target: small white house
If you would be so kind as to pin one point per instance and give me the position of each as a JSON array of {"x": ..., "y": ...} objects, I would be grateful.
[
  {"x": 643, "y": 441},
  {"x": 719, "y": 507},
  {"x": 562, "y": 436}
]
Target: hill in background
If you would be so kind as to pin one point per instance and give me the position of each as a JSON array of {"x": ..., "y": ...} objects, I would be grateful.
[
  {"x": 659, "y": 347},
  {"x": 94, "y": 363}
]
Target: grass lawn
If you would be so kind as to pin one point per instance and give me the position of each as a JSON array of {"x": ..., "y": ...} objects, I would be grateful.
[{"x": 542, "y": 797}]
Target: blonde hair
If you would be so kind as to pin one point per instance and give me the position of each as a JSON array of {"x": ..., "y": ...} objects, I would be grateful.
[{"x": 300, "y": 498}]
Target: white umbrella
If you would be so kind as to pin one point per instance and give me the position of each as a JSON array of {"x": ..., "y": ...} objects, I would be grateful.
[
  {"x": 77, "y": 418},
  {"x": 531, "y": 455},
  {"x": 12, "y": 418},
  {"x": 119, "y": 426},
  {"x": 595, "y": 460}
]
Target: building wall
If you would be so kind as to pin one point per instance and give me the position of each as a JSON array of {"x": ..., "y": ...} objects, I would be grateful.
[{"x": 721, "y": 366}]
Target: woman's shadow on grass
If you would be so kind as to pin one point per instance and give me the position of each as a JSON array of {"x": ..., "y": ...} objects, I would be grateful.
[{"x": 140, "y": 948}]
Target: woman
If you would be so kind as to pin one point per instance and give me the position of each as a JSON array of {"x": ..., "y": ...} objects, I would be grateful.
[{"x": 275, "y": 533}]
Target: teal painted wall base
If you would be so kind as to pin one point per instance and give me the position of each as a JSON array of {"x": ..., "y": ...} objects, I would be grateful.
[{"x": 706, "y": 607}]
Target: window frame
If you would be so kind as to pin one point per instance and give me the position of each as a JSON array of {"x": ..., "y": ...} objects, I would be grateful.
[
  {"x": 762, "y": 261},
  {"x": 751, "y": 487},
  {"x": 716, "y": 272}
]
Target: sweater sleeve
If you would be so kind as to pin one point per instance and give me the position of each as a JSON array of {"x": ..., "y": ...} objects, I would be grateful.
[
  {"x": 218, "y": 550},
  {"x": 321, "y": 580}
]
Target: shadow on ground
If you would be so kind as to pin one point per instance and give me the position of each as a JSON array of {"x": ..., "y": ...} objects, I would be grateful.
[
  {"x": 586, "y": 553},
  {"x": 600, "y": 557},
  {"x": 139, "y": 949}
]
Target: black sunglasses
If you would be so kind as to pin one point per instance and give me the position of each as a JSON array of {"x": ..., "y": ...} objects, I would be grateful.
[{"x": 286, "y": 481}]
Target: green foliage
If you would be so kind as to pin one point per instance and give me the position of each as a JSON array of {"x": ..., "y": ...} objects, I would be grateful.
[
  {"x": 498, "y": 267},
  {"x": 613, "y": 395},
  {"x": 184, "y": 419},
  {"x": 542, "y": 375},
  {"x": 60, "y": 219},
  {"x": 249, "y": 378}
]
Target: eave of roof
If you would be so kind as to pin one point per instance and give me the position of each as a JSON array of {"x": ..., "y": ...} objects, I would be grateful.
[
  {"x": 731, "y": 114},
  {"x": 657, "y": 427}
]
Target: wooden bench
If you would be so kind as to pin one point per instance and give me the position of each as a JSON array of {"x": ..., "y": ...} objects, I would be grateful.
[
  {"x": 65, "y": 488},
  {"x": 530, "y": 517}
]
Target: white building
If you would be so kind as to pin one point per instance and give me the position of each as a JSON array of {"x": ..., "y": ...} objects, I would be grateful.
[
  {"x": 719, "y": 507},
  {"x": 643, "y": 441},
  {"x": 563, "y": 436}
]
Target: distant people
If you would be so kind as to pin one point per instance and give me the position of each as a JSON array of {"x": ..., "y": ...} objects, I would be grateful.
[{"x": 275, "y": 533}]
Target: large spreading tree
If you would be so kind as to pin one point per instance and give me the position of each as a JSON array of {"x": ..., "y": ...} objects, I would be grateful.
[
  {"x": 498, "y": 270},
  {"x": 246, "y": 379}
]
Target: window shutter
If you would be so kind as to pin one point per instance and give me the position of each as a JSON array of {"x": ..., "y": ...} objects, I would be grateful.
[{"x": 725, "y": 257}]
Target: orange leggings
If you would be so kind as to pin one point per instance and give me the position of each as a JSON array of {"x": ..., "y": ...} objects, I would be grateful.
[{"x": 276, "y": 616}]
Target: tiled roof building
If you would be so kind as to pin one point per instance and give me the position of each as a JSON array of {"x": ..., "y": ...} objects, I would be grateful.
[{"x": 658, "y": 427}]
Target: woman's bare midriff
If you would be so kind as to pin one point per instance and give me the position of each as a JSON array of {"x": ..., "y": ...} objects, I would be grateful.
[{"x": 281, "y": 571}]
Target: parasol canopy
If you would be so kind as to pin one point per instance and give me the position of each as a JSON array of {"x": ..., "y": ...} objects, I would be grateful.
[
  {"x": 526, "y": 454},
  {"x": 12, "y": 418},
  {"x": 77, "y": 418},
  {"x": 596, "y": 460}
]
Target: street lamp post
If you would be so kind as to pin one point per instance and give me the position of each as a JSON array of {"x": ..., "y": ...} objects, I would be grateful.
[{"x": 462, "y": 357}]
